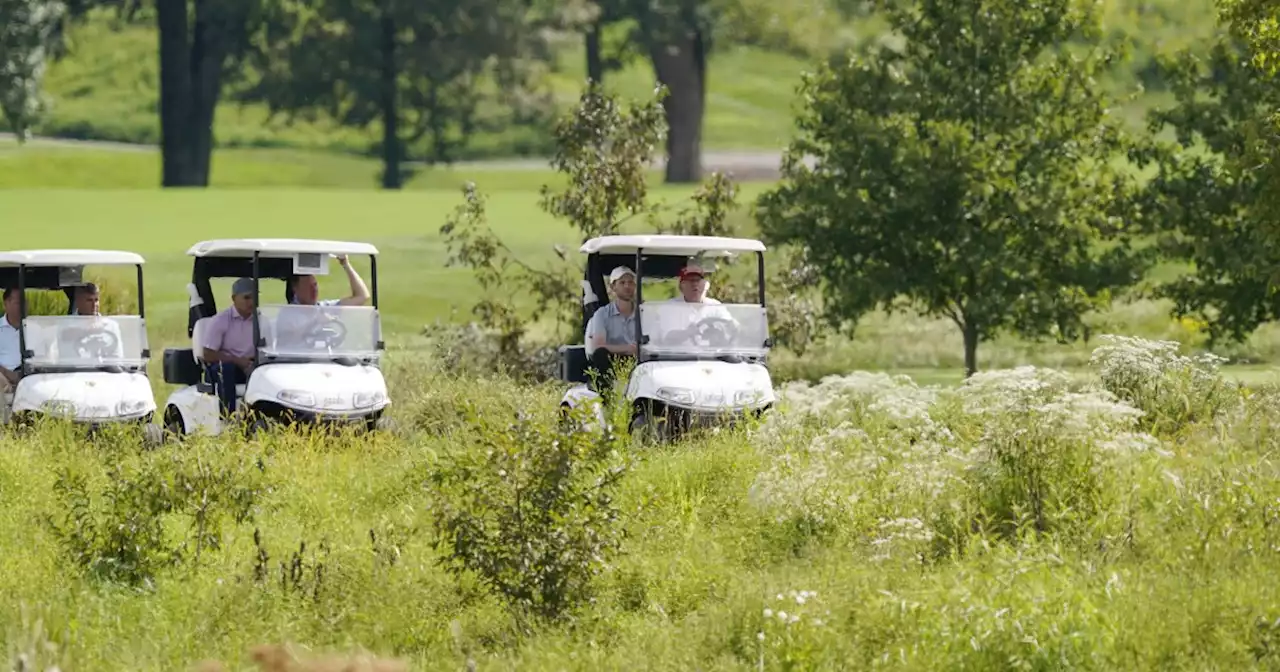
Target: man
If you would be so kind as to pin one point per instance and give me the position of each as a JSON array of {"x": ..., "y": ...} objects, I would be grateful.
[
  {"x": 10, "y": 343},
  {"x": 295, "y": 324},
  {"x": 85, "y": 302},
  {"x": 693, "y": 286},
  {"x": 228, "y": 344},
  {"x": 611, "y": 331},
  {"x": 685, "y": 327},
  {"x": 306, "y": 290}
]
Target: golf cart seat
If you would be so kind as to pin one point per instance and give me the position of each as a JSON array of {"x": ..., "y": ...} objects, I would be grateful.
[{"x": 573, "y": 363}]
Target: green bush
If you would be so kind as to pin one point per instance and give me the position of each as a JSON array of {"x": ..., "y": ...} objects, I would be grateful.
[{"x": 529, "y": 508}]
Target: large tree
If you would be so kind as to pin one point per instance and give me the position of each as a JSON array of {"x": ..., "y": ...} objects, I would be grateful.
[
  {"x": 1212, "y": 199},
  {"x": 418, "y": 69},
  {"x": 967, "y": 174},
  {"x": 30, "y": 35}
]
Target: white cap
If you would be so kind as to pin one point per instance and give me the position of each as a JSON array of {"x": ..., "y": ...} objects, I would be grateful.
[{"x": 618, "y": 272}]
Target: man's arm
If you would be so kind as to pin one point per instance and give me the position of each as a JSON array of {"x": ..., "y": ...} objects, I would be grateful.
[
  {"x": 359, "y": 293},
  {"x": 10, "y": 375}
]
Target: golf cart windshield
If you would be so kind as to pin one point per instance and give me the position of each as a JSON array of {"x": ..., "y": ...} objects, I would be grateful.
[
  {"x": 677, "y": 328},
  {"x": 85, "y": 342},
  {"x": 324, "y": 333}
]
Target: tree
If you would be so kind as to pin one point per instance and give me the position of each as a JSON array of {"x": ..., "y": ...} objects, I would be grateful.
[
  {"x": 1212, "y": 199},
  {"x": 968, "y": 175},
  {"x": 201, "y": 46},
  {"x": 417, "y": 68},
  {"x": 1257, "y": 22},
  {"x": 30, "y": 35}
]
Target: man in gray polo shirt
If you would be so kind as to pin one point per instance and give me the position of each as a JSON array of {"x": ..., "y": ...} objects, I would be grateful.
[{"x": 611, "y": 332}]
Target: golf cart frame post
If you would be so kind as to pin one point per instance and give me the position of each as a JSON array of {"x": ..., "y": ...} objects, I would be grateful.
[{"x": 43, "y": 269}]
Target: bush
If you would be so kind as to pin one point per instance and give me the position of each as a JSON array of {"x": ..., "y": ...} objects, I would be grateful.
[
  {"x": 126, "y": 535},
  {"x": 530, "y": 509},
  {"x": 1173, "y": 390}
]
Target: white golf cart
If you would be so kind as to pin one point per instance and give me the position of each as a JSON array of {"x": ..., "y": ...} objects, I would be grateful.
[
  {"x": 312, "y": 364},
  {"x": 697, "y": 364},
  {"x": 91, "y": 369}
]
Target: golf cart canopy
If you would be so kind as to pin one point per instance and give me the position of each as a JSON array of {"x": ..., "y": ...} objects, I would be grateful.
[
  {"x": 285, "y": 248},
  {"x": 57, "y": 269},
  {"x": 257, "y": 258},
  {"x": 666, "y": 244}
]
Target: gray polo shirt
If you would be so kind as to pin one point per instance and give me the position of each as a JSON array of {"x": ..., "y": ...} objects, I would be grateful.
[{"x": 618, "y": 329}]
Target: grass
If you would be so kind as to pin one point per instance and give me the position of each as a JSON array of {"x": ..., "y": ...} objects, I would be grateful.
[{"x": 1157, "y": 553}]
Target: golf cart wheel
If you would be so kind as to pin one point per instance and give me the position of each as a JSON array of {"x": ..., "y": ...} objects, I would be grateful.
[
  {"x": 174, "y": 428},
  {"x": 380, "y": 423},
  {"x": 648, "y": 424},
  {"x": 152, "y": 435}
]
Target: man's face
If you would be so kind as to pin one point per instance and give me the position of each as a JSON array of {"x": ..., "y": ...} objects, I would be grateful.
[
  {"x": 691, "y": 287},
  {"x": 307, "y": 290},
  {"x": 86, "y": 303},
  {"x": 12, "y": 306},
  {"x": 243, "y": 303},
  {"x": 625, "y": 287}
]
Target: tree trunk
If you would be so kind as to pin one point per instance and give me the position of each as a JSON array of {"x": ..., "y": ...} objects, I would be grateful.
[
  {"x": 391, "y": 154},
  {"x": 191, "y": 69},
  {"x": 680, "y": 64},
  {"x": 970, "y": 332},
  {"x": 595, "y": 63}
]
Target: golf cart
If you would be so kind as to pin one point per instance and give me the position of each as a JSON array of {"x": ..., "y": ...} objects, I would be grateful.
[
  {"x": 697, "y": 364},
  {"x": 91, "y": 369},
  {"x": 312, "y": 364}
]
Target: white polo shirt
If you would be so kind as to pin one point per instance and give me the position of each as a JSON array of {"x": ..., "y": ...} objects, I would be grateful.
[{"x": 10, "y": 350}]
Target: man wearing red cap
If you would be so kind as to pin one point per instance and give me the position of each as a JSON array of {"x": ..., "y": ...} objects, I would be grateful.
[{"x": 694, "y": 285}]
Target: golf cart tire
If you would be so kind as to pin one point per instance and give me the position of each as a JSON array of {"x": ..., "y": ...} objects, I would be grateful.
[
  {"x": 174, "y": 427},
  {"x": 650, "y": 421},
  {"x": 152, "y": 435}
]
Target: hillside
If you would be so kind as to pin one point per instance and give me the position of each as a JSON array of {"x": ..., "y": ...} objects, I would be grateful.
[{"x": 106, "y": 89}]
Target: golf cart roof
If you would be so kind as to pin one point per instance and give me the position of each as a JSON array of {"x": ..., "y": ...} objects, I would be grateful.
[
  {"x": 276, "y": 247},
  {"x": 38, "y": 258},
  {"x": 667, "y": 244}
]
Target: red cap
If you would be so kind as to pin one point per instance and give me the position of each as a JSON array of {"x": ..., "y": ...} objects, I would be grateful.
[{"x": 691, "y": 269}]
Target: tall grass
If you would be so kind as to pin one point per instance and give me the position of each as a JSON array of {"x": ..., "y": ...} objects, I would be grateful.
[{"x": 1026, "y": 518}]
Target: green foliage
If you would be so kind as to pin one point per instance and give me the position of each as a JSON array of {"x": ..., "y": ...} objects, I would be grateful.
[
  {"x": 419, "y": 71},
  {"x": 122, "y": 531},
  {"x": 1172, "y": 390},
  {"x": 969, "y": 175},
  {"x": 605, "y": 151},
  {"x": 1211, "y": 200},
  {"x": 531, "y": 510},
  {"x": 1257, "y": 22},
  {"x": 30, "y": 36}
]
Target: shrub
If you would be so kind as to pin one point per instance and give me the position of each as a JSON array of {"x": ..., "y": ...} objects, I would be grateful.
[
  {"x": 125, "y": 536},
  {"x": 529, "y": 508},
  {"x": 1174, "y": 390}
]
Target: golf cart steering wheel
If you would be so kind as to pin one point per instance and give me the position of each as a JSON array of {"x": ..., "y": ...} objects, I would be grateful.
[
  {"x": 330, "y": 332},
  {"x": 717, "y": 332}
]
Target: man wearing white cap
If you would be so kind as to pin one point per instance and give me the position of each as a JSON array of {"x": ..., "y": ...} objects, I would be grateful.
[{"x": 611, "y": 331}]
